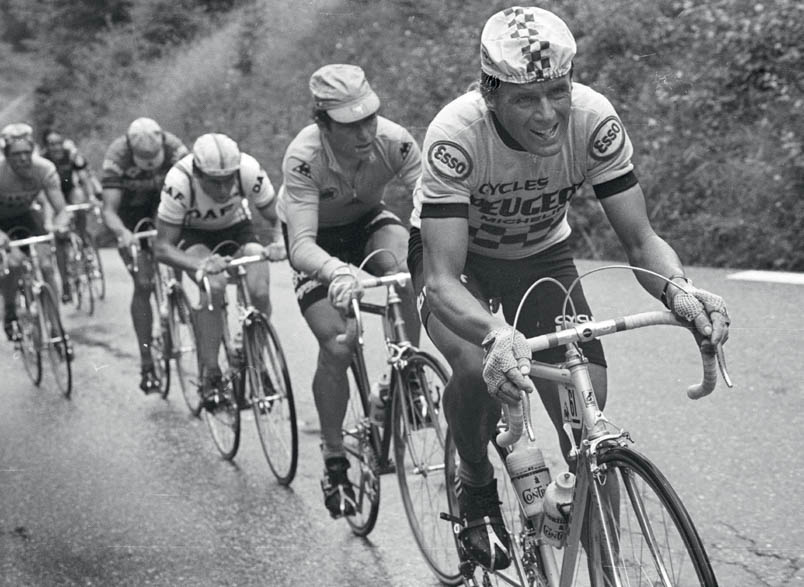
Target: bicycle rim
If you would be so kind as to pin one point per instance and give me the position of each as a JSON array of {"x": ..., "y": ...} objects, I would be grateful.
[
  {"x": 360, "y": 442},
  {"x": 515, "y": 573},
  {"x": 55, "y": 343},
  {"x": 85, "y": 284},
  {"x": 271, "y": 398},
  {"x": 183, "y": 349},
  {"x": 419, "y": 435},
  {"x": 97, "y": 279},
  {"x": 30, "y": 343},
  {"x": 223, "y": 419}
]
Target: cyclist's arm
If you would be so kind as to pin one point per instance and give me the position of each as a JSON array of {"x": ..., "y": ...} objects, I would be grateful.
[
  {"x": 166, "y": 249},
  {"x": 111, "y": 204},
  {"x": 86, "y": 183},
  {"x": 55, "y": 197},
  {"x": 445, "y": 242}
]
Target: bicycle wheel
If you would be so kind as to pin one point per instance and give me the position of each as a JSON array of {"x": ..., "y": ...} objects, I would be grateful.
[
  {"x": 97, "y": 279},
  {"x": 80, "y": 276},
  {"x": 29, "y": 344},
  {"x": 271, "y": 399},
  {"x": 652, "y": 539},
  {"x": 183, "y": 348},
  {"x": 223, "y": 417},
  {"x": 361, "y": 442},
  {"x": 515, "y": 574},
  {"x": 419, "y": 435},
  {"x": 55, "y": 343},
  {"x": 160, "y": 348}
]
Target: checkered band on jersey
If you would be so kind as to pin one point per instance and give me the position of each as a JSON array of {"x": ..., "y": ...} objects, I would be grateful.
[{"x": 521, "y": 26}]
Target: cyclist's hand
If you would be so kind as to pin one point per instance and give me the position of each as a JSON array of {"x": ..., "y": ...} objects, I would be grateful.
[
  {"x": 707, "y": 311},
  {"x": 506, "y": 364},
  {"x": 343, "y": 287},
  {"x": 4, "y": 240},
  {"x": 125, "y": 239},
  {"x": 214, "y": 264},
  {"x": 276, "y": 251}
]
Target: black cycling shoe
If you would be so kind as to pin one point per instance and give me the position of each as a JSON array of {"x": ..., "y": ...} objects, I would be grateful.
[
  {"x": 149, "y": 381},
  {"x": 11, "y": 327},
  {"x": 484, "y": 537},
  {"x": 66, "y": 297},
  {"x": 339, "y": 495},
  {"x": 211, "y": 391}
]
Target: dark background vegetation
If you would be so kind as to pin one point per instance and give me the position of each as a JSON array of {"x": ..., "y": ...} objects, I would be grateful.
[{"x": 710, "y": 92}]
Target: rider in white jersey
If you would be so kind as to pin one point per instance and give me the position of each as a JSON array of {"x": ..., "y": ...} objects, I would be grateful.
[{"x": 205, "y": 202}]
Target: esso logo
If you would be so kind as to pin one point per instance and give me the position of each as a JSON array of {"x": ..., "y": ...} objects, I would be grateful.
[
  {"x": 449, "y": 160},
  {"x": 608, "y": 139}
]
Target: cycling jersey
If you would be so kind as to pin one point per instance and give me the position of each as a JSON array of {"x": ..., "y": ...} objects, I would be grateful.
[
  {"x": 17, "y": 194},
  {"x": 140, "y": 187},
  {"x": 517, "y": 202},
  {"x": 69, "y": 162},
  {"x": 183, "y": 202},
  {"x": 316, "y": 192}
]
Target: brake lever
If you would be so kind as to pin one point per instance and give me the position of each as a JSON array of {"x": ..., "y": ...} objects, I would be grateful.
[{"x": 721, "y": 363}]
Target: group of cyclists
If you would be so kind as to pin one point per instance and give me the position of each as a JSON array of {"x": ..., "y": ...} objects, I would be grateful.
[{"x": 491, "y": 186}]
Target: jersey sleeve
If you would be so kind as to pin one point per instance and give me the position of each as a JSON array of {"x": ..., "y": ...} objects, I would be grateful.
[
  {"x": 174, "y": 198},
  {"x": 256, "y": 183},
  {"x": 113, "y": 165},
  {"x": 608, "y": 149},
  {"x": 447, "y": 173},
  {"x": 51, "y": 182},
  {"x": 176, "y": 149},
  {"x": 406, "y": 157}
]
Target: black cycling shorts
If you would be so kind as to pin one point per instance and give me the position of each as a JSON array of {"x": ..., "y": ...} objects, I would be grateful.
[
  {"x": 234, "y": 236},
  {"x": 348, "y": 243},
  {"x": 30, "y": 223},
  {"x": 507, "y": 281}
]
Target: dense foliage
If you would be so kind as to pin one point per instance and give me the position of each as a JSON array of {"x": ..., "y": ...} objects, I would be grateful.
[{"x": 710, "y": 92}]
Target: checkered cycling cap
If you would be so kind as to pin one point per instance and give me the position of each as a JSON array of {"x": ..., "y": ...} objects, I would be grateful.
[
  {"x": 17, "y": 132},
  {"x": 520, "y": 45},
  {"x": 343, "y": 92},
  {"x": 145, "y": 138}
]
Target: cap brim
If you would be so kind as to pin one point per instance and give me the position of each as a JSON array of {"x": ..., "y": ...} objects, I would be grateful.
[
  {"x": 357, "y": 110},
  {"x": 150, "y": 163}
]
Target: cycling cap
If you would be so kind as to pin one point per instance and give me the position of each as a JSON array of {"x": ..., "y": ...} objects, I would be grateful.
[
  {"x": 216, "y": 155},
  {"x": 145, "y": 138},
  {"x": 12, "y": 133},
  {"x": 343, "y": 92},
  {"x": 526, "y": 44}
]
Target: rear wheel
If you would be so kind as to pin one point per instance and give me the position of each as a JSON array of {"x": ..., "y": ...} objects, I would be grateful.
[
  {"x": 419, "y": 437},
  {"x": 29, "y": 344},
  {"x": 80, "y": 276},
  {"x": 181, "y": 327},
  {"x": 361, "y": 442},
  {"x": 97, "y": 279},
  {"x": 271, "y": 399},
  {"x": 223, "y": 415},
  {"x": 160, "y": 348},
  {"x": 55, "y": 344}
]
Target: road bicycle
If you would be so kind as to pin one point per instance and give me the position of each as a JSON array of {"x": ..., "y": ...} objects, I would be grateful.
[
  {"x": 84, "y": 268},
  {"x": 173, "y": 332},
  {"x": 38, "y": 330},
  {"x": 636, "y": 528},
  {"x": 253, "y": 360},
  {"x": 414, "y": 421}
]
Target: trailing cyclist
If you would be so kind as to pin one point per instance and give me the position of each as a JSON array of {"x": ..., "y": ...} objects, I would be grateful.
[
  {"x": 71, "y": 165},
  {"x": 134, "y": 169},
  {"x": 206, "y": 201},
  {"x": 23, "y": 175},
  {"x": 502, "y": 166},
  {"x": 333, "y": 214}
]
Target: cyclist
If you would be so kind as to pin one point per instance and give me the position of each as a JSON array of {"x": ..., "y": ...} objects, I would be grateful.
[
  {"x": 23, "y": 175},
  {"x": 205, "y": 202},
  {"x": 503, "y": 163},
  {"x": 71, "y": 165},
  {"x": 134, "y": 168},
  {"x": 332, "y": 210}
]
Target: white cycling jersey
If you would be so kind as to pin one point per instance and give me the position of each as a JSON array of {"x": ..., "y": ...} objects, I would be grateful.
[
  {"x": 183, "y": 202},
  {"x": 517, "y": 202}
]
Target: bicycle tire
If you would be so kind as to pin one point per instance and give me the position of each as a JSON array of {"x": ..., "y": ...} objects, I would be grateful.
[
  {"x": 647, "y": 500},
  {"x": 80, "y": 275},
  {"x": 419, "y": 431},
  {"x": 223, "y": 420},
  {"x": 183, "y": 350},
  {"x": 271, "y": 397},
  {"x": 361, "y": 440},
  {"x": 95, "y": 264},
  {"x": 30, "y": 343},
  {"x": 55, "y": 342},
  {"x": 160, "y": 349}
]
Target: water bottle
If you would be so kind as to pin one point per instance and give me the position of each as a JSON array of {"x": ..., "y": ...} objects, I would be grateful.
[
  {"x": 557, "y": 498},
  {"x": 378, "y": 400},
  {"x": 529, "y": 475}
]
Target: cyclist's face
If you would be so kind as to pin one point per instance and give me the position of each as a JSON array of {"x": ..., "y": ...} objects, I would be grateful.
[
  {"x": 19, "y": 157},
  {"x": 536, "y": 115},
  {"x": 354, "y": 140},
  {"x": 55, "y": 145},
  {"x": 217, "y": 188}
]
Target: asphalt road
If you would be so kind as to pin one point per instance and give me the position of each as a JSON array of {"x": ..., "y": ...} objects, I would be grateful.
[{"x": 114, "y": 488}]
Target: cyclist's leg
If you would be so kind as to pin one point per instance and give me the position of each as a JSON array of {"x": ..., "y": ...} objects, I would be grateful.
[
  {"x": 140, "y": 307},
  {"x": 209, "y": 323},
  {"x": 8, "y": 283},
  {"x": 258, "y": 279},
  {"x": 386, "y": 231}
]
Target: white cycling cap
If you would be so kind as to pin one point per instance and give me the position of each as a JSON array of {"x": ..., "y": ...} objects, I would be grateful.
[
  {"x": 18, "y": 131},
  {"x": 343, "y": 92},
  {"x": 520, "y": 45},
  {"x": 216, "y": 155},
  {"x": 146, "y": 139}
]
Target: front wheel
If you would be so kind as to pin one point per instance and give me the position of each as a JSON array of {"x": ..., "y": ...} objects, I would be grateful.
[
  {"x": 271, "y": 397},
  {"x": 55, "y": 344},
  {"x": 223, "y": 414},
  {"x": 29, "y": 344},
  {"x": 181, "y": 328},
  {"x": 419, "y": 436},
  {"x": 97, "y": 279},
  {"x": 644, "y": 536}
]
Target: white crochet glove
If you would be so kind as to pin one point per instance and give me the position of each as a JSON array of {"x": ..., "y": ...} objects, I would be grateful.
[{"x": 503, "y": 353}]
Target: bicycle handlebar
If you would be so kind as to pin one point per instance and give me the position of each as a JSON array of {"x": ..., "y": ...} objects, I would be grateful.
[
  {"x": 32, "y": 240},
  {"x": 135, "y": 246},
  {"x": 230, "y": 264},
  {"x": 78, "y": 207},
  {"x": 399, "y": 279}
]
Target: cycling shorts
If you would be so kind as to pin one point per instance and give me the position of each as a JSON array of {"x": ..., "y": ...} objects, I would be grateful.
[
  {"x": 507, "y": 281},
  {"x": 348, "y": 243},
  {"x": 29, "y": 224},
  {"x": 131, "y": 215},
  {"x": 235, "y": 236}
]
